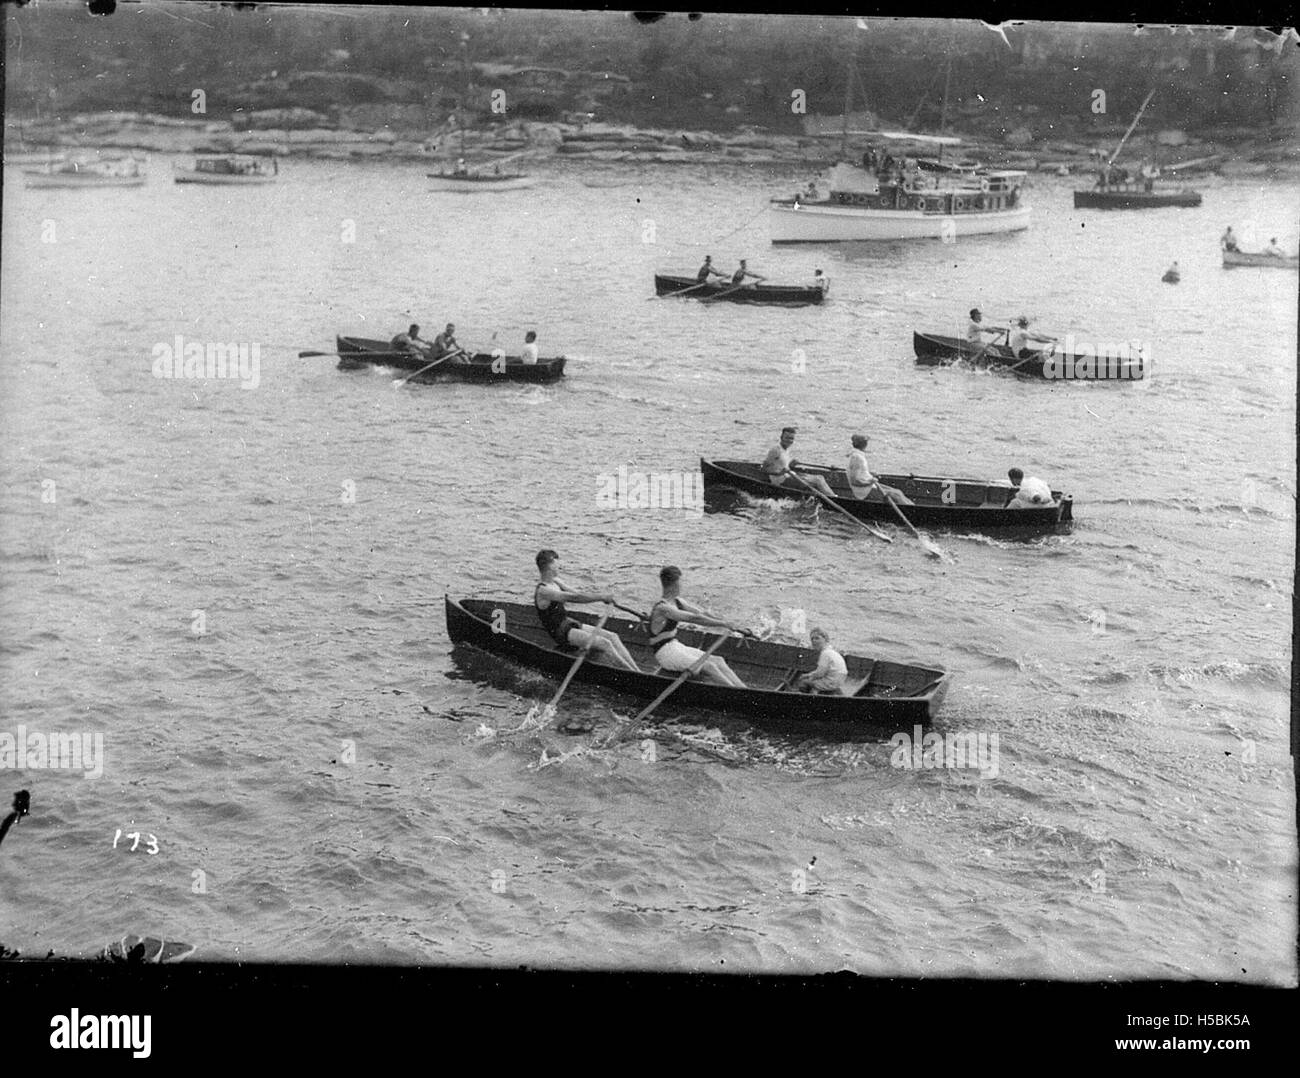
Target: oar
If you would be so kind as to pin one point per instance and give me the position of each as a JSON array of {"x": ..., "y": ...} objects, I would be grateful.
[
  {"x": 840, "y": 509},
  {"x": 450, "y": 355},
  {"x": 628, "y": 610},
  {"x": 548, "y": 712},
  {"x": 727, "y": 292},
  {"x": 681, "y": 292},
  {"x": 929, "y": 547},
  {"x": 357, "y": 355},
  {"x": 694, "y": 668}
]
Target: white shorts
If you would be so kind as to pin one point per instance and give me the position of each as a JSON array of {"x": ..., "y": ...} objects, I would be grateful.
[
  {"x": 579, "y": 636},
  {"x": 676, "y": 656}
]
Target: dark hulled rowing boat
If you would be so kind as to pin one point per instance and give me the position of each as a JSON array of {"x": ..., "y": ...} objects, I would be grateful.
[
  {"x": 356, "y": 352},
  {"x": 932, "y": 349},
  {"x": 1254, "y": 258},
  {"x": 884, "y": 693},
  {"x": 775, "y": 295},
  {"x": 965, "y": 504},
  {"x": 1111, "y": 198}
]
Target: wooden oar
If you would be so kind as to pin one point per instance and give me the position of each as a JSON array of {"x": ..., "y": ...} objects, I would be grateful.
[
  {"x": 681, "y": 292},
  {"x": 309, "y": 355},
  {"x": 450, "y": 355},
  {"x": 840, "y": 509},
  {"x": 929, "y": 547},
  {"x": 628, "y": 610},
  {"x": 694, "y": 668},
  {"x": 728, "y": 291},
  {"x": 548, "y": 712}
]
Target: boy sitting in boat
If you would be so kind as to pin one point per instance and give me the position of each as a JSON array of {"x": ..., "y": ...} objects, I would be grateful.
[
  {"x": 671, "y": 653},
  {"x": 549, "y": 598},
  {"x": 863, "y": 483},
  {"x": 1031, "y": 492},
  {"x": 828, "y": 677}
]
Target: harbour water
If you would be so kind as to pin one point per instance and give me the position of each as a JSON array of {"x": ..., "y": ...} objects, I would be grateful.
[{"x": 238, "y": 582}]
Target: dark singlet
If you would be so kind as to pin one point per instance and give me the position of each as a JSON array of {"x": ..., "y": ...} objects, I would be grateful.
[
  {"x": 555, "y": 619},
  {"x": 703, "y": 275},
  {"x": 738, "y": 277},
  {"x": 668, "y": 631}
]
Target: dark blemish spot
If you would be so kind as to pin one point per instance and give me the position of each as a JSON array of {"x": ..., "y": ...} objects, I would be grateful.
[{"x": 101, "y": 7}]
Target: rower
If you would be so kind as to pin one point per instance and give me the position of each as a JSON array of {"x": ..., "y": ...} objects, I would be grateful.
[
  {"x": 529, "y": 356},
  {"x": 1031, "y": 493},
  {"x": 1228, "y": 241},
  {"x": 670, "y": 652},
  {"x": 549, "y": 598},
  {"x": 1273, "y": 249},
  {"x": 738, "y": 278},
  {"x": 779, "y": 463},
  {"x": 445, "y": 344},
  {"x": 820, "y": 280},
  {"x": 1019, "y": 338},
  {"x": 410, "y": 341},
  {"x": 863, "y": 483},
  {"x": 707, "y": 270},
  {"x": 975, "y": 328},
  {"x": 828, "y": 676}
]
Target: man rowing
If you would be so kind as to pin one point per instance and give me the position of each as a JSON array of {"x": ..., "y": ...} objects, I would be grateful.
[
  {"x": 779, "y": 464},
  {"x": 1019, "y": 338},
  {"x": 1228, "y": 241},
  {"x": 671, "y": 653},
  {"x": 411, "y": 341},
  {"x": 863, "y": 483},
  {"x": 708, "y": 270},
  {"x": 739, "y": 277},
  {"x": 975, "y": 328},
  {"x": 1031, "y": 492},
  {"x": 828, "y": 676},
  {"x": 550, "y": 596},
  {"x": 445, "y": 345},
  {"x": 1273, "y": 250},
  {"x": 821, "y": 281}
]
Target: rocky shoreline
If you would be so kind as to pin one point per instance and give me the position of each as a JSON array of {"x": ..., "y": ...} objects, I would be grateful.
[{"x": 357, "y": 135}]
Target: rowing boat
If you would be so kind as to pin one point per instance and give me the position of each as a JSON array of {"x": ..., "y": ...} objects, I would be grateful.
[
  {"x": 1121, "y": 362},
  {"x": 357, "y": 352},
  {"x": 779, "y": 295},
  {"x": 878, "y": 692},
  {"x": 1251, "y": 258},
  {"x": 1111, "y": 198},
  {"x": 941, "y": 502}
]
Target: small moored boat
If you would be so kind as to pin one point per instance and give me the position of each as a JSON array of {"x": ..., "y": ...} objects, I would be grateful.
[
  {"x": 356, "y": 352},
  {"x": 1260, "y": 259},
  {"x": 1123, "y": 362},
  {"x": 79, "y": 172},
  {"x": 941, "y": 502},
  {"x": 777, "y": 295},
  {"x": 466, "y": 183},
  {"x": 878, "y": 692},
  {"x": 233, "y": 170},
  {"x": 1134, "y": 197}
]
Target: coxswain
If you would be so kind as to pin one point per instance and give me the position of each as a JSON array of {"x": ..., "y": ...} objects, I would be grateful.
[
  {"x": 1030, "y": 493},
  {"x": 828, "y": 676},
  {"x": 738, "y": 278},
  {"x": 410, "y": 341},
  {"x": 779, "y": 464},
  {"x": 1228, "y": 241},
  {"x": 671, "y": 653},
  {"x": 529, "y": 356},
  {"x": 550, "y": 596},
  {"x": 707, "y": 270},
  {"x": 862, "y": 483},
  {"x": 1273, "y": 250}
]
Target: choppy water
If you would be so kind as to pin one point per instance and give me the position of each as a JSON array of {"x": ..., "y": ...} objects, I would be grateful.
[{"x": 1136, "y": 671}]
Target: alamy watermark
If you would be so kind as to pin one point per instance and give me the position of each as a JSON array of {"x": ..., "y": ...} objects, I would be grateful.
[
  {"x": 72, "y": 752},
  {"x": 210, "y": 359},
  {"x": 1092, "y": 360},
  {"x": 660, "y": 490},
  {"x": 955, "y": 749}
]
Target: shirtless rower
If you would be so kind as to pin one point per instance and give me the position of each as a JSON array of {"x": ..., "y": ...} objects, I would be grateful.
[
  {"x": 739, "y": 277},
  {"x": 779, "y": 463},
  {"x": 445, "y": 344},
  {"x": 671, "y": 653},
  {"x": 863, "y": 484},
  {"x": 708, "y": 270},
  {"x": 410, "y": 341},
  {"x": 549, "y": 598}
]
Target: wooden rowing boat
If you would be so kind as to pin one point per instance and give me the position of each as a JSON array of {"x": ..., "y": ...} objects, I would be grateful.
[
  {"x": 357, "y": 352},
  {"x": 881, "y": 692},
  {"x": 776, "y": 295},
  {"x": 941, "y": 502},
  {"x": 1051, "y": 363},
  {"x": 1111, "y": 198},
  {"x": 1250, "y": 258}
]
